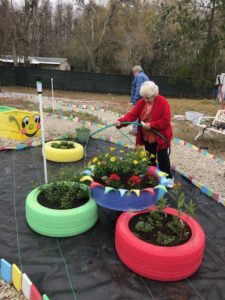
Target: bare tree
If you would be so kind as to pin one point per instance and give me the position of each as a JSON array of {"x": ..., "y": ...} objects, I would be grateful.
[
  {"x": 92, "y": 28},
  {"x": 30, "y": 10},
  {"x": 8, "y": 29}
]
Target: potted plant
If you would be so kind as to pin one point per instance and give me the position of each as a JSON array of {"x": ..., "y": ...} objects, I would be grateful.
[
  {"x": 63, "y": 151},
  {"x": 125, "y": 181},
  {"x": 61, "y": 209},
  {"x": 82, "y": 134},
  {"x": 161, "y": 243}
]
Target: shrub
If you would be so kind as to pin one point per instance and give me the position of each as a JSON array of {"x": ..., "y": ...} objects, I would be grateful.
[
  {"x": 159, "y": 228},
  {"x": 63, "y": 194},
  {"x": 63, "y": 145}
]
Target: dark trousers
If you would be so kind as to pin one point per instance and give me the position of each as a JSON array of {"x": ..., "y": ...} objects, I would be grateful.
[{"x": 162, "y": 156}]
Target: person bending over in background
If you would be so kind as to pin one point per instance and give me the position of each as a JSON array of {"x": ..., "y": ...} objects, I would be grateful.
[
  {"x": 153, "y": 111},
  {"x": 139, "y": 78}
]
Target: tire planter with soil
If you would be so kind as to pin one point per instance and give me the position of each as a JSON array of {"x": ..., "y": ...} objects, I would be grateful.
[
  {"x": 128, "y": 200},
  {"x": 63, "y": 155},
  {"x": 59, "y": 223},
  {"x": 157, "y": 262}
]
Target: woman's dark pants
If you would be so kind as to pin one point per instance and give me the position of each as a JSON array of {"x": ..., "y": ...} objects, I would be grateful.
[{"x": 162, "y": 156}]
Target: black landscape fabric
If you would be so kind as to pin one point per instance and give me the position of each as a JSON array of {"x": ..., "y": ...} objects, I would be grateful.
[{"x": 86, "y": 266}]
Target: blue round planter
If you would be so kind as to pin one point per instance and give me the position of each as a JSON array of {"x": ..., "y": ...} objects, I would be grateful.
[{"x": 128, "y": 200}]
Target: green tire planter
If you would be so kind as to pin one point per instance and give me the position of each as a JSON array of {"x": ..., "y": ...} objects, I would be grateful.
[{"x": 59, "y": 223}]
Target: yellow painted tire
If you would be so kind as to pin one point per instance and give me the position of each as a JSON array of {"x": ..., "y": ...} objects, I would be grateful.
[{"x": 63, "y": 155}]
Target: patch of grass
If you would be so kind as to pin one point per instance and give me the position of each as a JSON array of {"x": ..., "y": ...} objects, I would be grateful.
[
  {"x": 27, "y": 105},
  {"x": 70, "y": 94},
  {"x": 18, "y": 103},
  {"x": 205, "y": 106}
]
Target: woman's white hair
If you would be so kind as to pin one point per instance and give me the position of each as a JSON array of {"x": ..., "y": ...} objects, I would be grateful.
[{"x": 149, "y": 89}]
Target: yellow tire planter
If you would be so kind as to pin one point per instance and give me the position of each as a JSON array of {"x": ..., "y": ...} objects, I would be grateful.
[
  {"x": 59, "y": 223},
  {"x": 63, "y": 155}
]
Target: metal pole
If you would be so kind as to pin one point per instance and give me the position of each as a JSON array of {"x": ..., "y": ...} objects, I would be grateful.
[
  {"x": 40, "y": 99},
  {"x": 53, "y": 98}
]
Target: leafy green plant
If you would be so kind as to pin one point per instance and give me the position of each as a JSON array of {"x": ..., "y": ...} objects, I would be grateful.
[
  {"x": 63, "y": 194},
  {"x": 63, "y": 145},
  {"x": 127, "y": 170},
  {"x": 159, "y": 228},
  {"x": 180, "y": 201}
]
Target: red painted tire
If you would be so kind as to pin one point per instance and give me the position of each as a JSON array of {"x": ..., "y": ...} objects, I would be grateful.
[{"x": 157, "y": 262}]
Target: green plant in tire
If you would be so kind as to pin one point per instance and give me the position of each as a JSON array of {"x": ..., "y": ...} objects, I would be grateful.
[
  {"x": 126, "y": 170},
  {"x": 63, "y": 145},
  {"x": 159, "y": 228},
  {"x": 63, "y": 195}
]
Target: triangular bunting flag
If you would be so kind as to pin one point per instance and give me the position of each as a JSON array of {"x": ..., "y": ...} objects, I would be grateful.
[
  {"x": 137, "y": 192},
  {"x": 91, "y": 167},
  {"x": 87, "y": 172},
  {"x": 108, "y": 189},
  {"x": 150, "y": 190},
  {"x": 96, "y": 184},
  {"x": 122, "y": 192},
  {"x": 164, "y": 181},
  {"x": 86, "y": 178},
  {"x": 160, "y": 186},
  {"x": 161, "y": 174}
]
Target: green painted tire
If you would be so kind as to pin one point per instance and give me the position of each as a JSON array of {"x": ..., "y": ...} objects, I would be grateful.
[
  {"x": 59, "y": 223},
  {"x": 63, "y": 155}
]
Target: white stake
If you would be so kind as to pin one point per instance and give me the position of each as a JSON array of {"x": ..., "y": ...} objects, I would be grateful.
[
  {"x": 53, "y": 99},
  {"x": 40, "y": 99}
]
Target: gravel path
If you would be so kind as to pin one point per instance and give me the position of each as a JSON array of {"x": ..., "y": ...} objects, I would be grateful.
[
  {"x": 205, "y": 170},
  {"x": 8, "y": 292}
]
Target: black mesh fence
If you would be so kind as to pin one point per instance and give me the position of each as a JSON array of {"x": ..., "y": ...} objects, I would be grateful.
[{"x": 92, "y": 82}]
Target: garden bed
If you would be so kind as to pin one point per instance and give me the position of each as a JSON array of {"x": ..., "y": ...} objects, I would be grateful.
[{"x": 86, "y": 266}]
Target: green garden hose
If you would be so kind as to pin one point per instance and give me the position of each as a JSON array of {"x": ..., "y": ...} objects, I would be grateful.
[
  {"x": 111, "y": 125},
  {"x": 134, "y": 123}
]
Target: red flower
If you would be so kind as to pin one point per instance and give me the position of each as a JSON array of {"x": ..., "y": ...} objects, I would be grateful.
[
  {"x": 114, "y": 177},
  {"x": 151, "y": 170},
  {"x": 133, "y": 180}
]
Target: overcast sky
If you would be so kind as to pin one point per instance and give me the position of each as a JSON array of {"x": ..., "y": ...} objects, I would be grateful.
[{"x": 21, "y": 2}]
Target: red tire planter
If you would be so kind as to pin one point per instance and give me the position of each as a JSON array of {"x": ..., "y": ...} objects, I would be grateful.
[{"x": 157, "y": 262}]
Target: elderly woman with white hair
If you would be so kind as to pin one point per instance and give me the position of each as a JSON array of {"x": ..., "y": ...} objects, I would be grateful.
[{"x": 153, "y": 112}]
